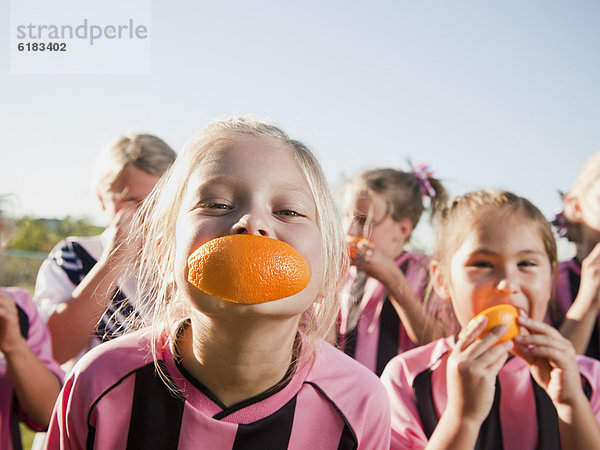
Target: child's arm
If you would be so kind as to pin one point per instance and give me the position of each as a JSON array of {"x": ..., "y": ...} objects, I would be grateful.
[
  {"x": 420, "y": 325},
  {"x": 471, "y": 375},
  {"x": 74, "y": 321},
  {"x": 35, "y": 386},
  {"x": 552, "y": 363},
  {"x": 583, "y": 313}
]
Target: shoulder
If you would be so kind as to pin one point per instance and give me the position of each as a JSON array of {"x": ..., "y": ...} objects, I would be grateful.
[
  {"x": 344, "y": 381},
  {"x": 108, "y": 364},
  {"x": 354, "y": 391},
  {"x": 589, "y": 368},
  {"x": 92, "y": 245},
  {"x": 20, "y": 296},
  {"x": 403, "y": 369}
]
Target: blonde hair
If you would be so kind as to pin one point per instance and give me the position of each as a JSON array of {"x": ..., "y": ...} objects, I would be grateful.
[
  {"x": 142, "y": 151},
  {"x": 466, "y": 212},
  {"x": 158, "y": 214},
  {"x": 402, "y": 191},
  {"x": 586, "y": 179}
]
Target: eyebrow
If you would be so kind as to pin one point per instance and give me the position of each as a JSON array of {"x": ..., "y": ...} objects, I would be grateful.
[
  {"x": 525, "y": 252},
  {"x": 227, "y": 180}
]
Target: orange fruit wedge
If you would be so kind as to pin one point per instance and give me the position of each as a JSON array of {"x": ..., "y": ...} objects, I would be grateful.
[
  {"x": 249, "y": 269},
  {"x": 501, "y": 315},
  {"x": 352, "y": 242}
]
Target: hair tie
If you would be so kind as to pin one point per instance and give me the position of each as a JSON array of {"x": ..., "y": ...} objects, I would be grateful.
[
  {"x": 561, "y": 224},
  {"x": 422, "y": 174}
]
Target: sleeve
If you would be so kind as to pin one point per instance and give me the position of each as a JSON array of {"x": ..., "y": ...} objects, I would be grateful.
[
  {"x": 38, "y": 340},
  {"x": 590, "y": 369},
  {"x": 376, "y": 434},
  {"x": 67, "y": 429},
  {"x": 407, "y": 431},
  {"x": 53, "y": 286}
]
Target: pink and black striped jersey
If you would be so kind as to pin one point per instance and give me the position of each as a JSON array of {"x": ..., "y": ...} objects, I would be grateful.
[
  {"x": 115, "y": 400},
  {"x": 567, "y": 288},
  {"x": 379, "y": 334},
  {"x": 522, "y": 415}
]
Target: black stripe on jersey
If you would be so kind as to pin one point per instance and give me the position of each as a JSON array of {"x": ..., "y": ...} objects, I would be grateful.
[
  {"x": 154, "y": 407},
  {"x": 111, "y": 324},
  {"x": 78, "y": 258},
  {"x": 23, "y": 322},
  {"x": 389, "y": 331},
  {"x": 348, "y": 439},
  {"x": 548, "y": 431},
  {"x": 272, "y": 432},
  {"x": 156, "y": 412}
]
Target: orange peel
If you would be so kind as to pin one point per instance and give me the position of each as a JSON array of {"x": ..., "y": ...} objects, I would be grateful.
[{"x": 248, "y": 269}]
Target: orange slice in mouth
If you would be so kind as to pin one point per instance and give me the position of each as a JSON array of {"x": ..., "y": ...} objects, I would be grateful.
[{"x": 249, "y": 269}]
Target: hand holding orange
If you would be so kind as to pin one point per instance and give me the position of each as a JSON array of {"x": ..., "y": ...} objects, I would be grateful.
[
  {"x": 501, "y": 315},
  {"x": 249, "y": 269},
  {"x": 352, "y": 242}
]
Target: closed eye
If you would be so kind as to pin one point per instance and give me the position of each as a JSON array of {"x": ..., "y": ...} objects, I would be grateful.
[
  {"x": 481, "y": 264},
  {"x": 214, "y": 205},
  {"x": 528, "y": 263}
]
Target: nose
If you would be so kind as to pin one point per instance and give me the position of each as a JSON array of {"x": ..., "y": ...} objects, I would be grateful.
[
  {"x": 506, "y": 286},
  {"x": 252, "y": 223}
]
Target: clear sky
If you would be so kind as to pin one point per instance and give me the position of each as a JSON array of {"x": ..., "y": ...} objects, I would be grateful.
[{"x": 489, "y": 94}]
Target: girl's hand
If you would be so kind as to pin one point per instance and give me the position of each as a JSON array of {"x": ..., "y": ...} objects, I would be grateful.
[
  {"x": 472, "y": 369},
  {"x": 551, "y": 360},
  {"x": 10, "y": 332},
  {"x": 590, "y": 278},
  {"x": 374, "y": 262}
]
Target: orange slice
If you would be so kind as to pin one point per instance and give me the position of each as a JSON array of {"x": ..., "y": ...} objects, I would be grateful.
[
  {"x": 250, "y": 269},
  {"x": 501, "y": 315}
]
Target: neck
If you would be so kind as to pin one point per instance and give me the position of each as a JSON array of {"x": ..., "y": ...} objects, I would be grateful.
[{"x": 238, "y": 358}]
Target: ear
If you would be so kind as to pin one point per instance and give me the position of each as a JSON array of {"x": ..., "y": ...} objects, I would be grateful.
[
  {"x": 440, "y": 281},
  {"x": 573, "y": 208},
  {"x": 404, "y": 228},
  {"x": 102, "y": 202}
]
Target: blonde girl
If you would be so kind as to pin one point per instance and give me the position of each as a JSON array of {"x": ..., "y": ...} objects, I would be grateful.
[
  {"x": 578, "y": 290},
  {"x": 469, "y": 391},
  {"x": 211, "y": 373},
  {"x": 384, "y": 311},
  {"x": 78, "y": 290}
]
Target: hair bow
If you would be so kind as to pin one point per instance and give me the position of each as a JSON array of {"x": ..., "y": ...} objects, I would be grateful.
[
  {"x": 422, "y": 174},
  {"x": 561, "y": 224}
]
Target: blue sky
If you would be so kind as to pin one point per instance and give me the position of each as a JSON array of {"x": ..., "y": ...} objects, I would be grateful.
[{"x": 489, "y": 94}]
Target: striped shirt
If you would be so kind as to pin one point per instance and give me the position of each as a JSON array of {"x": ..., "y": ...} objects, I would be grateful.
[
  {"x": 522, "y": 416},
  {"x": 66, "y": 266},
  {"x": 115, "y": 400},
  {"x": 379, "y": 334}
]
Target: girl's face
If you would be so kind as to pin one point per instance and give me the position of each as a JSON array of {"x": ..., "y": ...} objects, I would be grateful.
[
  {"x": 504, "y": 261},
  {"x": 368, "y": 217},
  {"x": 133, "y": 186},
  {"x": 256, "y": 188}
]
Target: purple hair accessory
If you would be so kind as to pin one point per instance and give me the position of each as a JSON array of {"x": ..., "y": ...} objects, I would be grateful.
[
  {"x": 561, "y": 224},
  {"x": 422, "y": 174}
]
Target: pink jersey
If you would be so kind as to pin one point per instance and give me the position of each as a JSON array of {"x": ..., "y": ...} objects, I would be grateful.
[
  {"x": 569, "y": 277},
  {"x": 38, "y": 339},
  {"x": 522, "y": 413},
  {"x": 379, "y": 334},
  {"x": 115, "y": 400}
]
